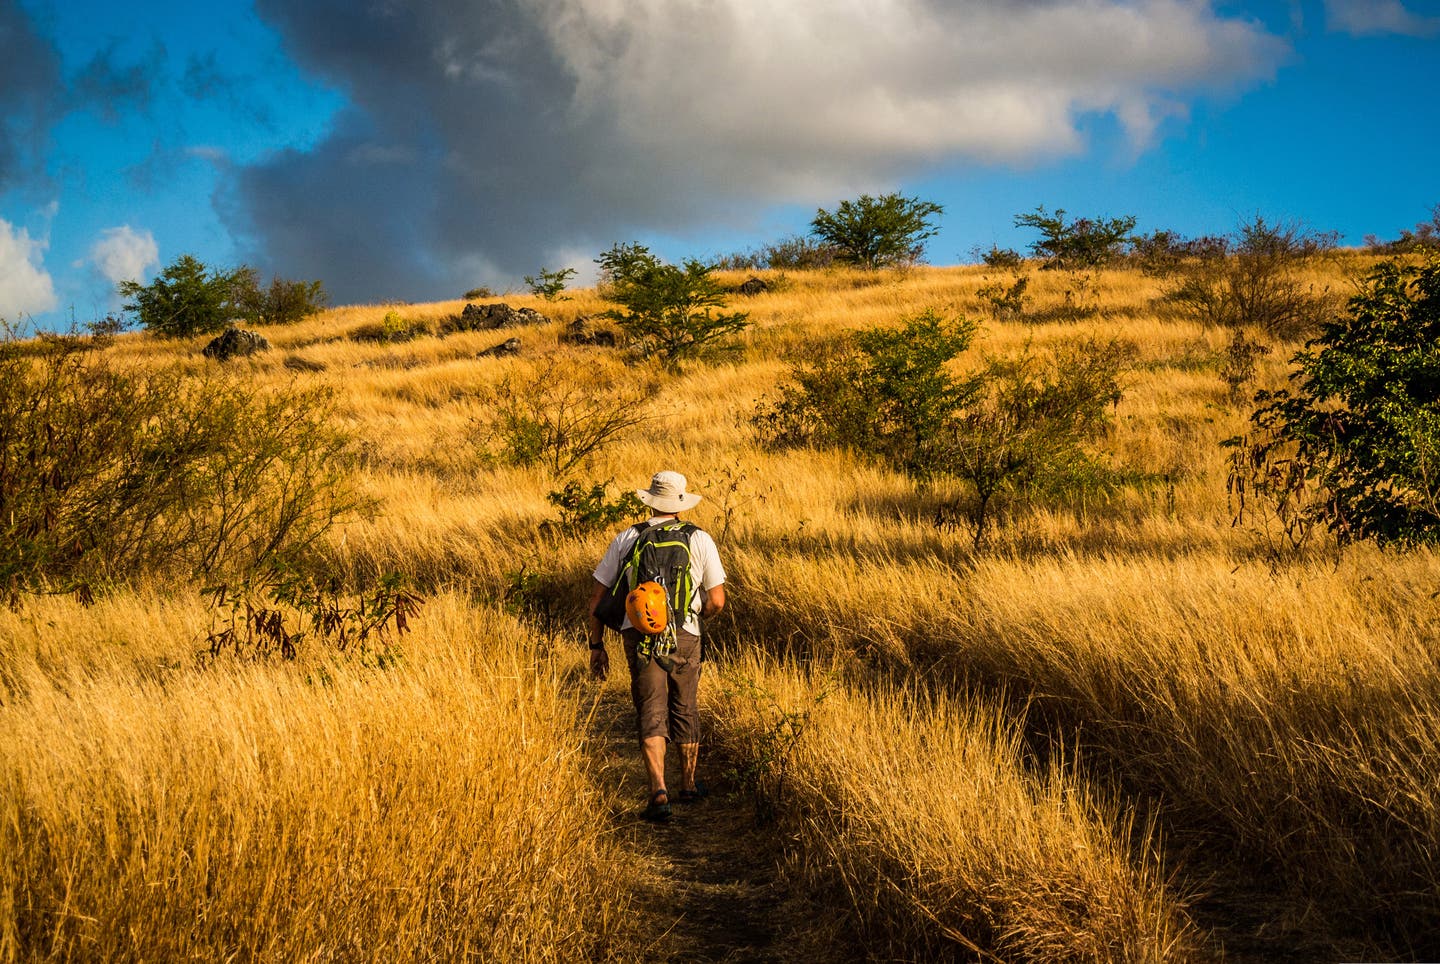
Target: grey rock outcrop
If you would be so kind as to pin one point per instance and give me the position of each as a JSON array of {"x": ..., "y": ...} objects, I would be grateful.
[
  {"x": 492, "y": 316},
  {"x": 754, "y": 286},
  {"x": 235, "y": 343}
]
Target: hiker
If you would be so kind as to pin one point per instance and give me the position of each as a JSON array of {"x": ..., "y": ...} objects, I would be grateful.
[{"x": 664, "y": 667}]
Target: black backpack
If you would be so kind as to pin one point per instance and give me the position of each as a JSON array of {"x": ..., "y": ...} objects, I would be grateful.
[{"x": 661, "y": 553}]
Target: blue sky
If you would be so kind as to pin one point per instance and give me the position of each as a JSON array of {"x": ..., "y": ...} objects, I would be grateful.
[{"x": 413, "y": 150}]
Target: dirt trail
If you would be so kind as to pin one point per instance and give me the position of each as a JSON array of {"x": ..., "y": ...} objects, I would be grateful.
[{"x": 708, "y": 883}]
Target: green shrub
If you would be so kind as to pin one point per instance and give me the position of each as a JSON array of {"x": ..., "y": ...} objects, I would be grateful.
[
  {"x": 1018, "y": 426},
  {"x": 1027, "y": 428},
  {"x": 108, "y": 474},
  {"x": 669, "y": 312},
  {"x": 877, "y": 232},
  {"x": 274, "y": 612},
  {"x": 187, "y": 298},
  {"x": 794, "y": 253},
  {"x": 1354, "y": 444},
  {"x": 282, "y": 303},
  {"x": 585, "y": 510},
  {"x": 476, "y": 294},
  {"x": 1162, "y": 254},
  {"x": 884, "y": 392}
]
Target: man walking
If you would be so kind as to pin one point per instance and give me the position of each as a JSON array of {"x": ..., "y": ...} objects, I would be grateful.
[{"x": 663, "y": 685}]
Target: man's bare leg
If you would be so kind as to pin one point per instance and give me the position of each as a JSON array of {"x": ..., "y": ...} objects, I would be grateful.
[
  {"x": 689, "y": 756},
  {"x": 652, "y": 748}
]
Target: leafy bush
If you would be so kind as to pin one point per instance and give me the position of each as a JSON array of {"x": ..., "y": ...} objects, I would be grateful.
[
  {"x": 1255, "y": 279},
  {"x": 547, "y": 418},
  {"x": 877, "y": 232},
  {"x": 668, "y": 311},
  {"x": 585, "y": 510},
  {"x": 1017, "y": 426},
  {"x": 476, "y": 294},
  {"x": 883, "y": 392},
  {"x": 549, "y": 284},
  {"x": 1027, "y": 427},
  {"x": 107, "y": 473},
  {"x": 1354, "y": 444},
  {"x": 748, "y": 260},
  {"x": 1078, "y": 245},
  {"x": 187, "y": 298},
  {"x": 283, "y": 303}
]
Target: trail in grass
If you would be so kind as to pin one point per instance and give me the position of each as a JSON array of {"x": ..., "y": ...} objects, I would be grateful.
[{"x": 708, "y": 882}]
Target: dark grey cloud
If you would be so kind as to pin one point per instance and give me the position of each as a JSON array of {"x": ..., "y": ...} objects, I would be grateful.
[
  {"x": 486, "y": 136},
  {"x": 109, "y": 88},
  {"x": 29, "y": 101}
]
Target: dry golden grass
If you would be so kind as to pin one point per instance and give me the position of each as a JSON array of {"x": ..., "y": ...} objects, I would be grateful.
[
  {"x": 150, "y": 810},
  {"x": 920, "y": 814},
  {"x": 1274, "y": 716}
]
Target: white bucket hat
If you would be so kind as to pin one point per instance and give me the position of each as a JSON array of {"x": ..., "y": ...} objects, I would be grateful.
[{"x": 667, "y": 493}]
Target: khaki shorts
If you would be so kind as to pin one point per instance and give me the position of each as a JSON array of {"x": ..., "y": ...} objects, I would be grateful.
[{"x": 665, "y": 702}]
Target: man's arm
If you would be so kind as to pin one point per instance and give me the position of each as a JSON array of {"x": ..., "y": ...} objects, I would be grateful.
[
  {"x": 599, "y": 659},
  {"x": 714, "y": 601}
]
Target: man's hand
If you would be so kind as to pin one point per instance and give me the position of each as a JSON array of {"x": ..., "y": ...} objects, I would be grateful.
[{"x": 599, "y": 659}]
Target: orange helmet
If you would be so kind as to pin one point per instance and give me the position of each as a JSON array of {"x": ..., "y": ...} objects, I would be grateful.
[{"x": 647, "y": 609}]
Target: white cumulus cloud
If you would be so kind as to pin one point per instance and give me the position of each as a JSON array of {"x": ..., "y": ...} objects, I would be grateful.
[
  {"x": 25, "y": 286},
  {"x": 123, "y": 254},
  {"x": 1363, "y": 18},
  {"x": 508, "y": 130}
]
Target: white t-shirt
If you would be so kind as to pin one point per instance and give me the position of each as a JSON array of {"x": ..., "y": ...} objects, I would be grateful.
[{"x": 705, "y": 570}]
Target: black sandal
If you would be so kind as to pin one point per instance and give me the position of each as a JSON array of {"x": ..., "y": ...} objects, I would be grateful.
[
  {"x": 657, "y": 812},
  {"x": 693, "y": 796}
]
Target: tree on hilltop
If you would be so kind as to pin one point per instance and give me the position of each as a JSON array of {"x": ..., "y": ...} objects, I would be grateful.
[
  {"x": 1080, "y": 244},
  {"x": 878, "y": 232}
]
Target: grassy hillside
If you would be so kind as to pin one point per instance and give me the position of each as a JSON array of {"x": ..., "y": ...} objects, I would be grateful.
[{"x": 1122, "y": 728}]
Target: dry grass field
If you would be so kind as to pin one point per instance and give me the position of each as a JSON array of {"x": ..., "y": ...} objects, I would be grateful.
[{"x": 1122, "y": 728}]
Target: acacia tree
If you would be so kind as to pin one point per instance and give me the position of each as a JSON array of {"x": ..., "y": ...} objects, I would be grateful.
[
  {"x": 877, "y": 232},
  {"x": 1076, "y": 245}
]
